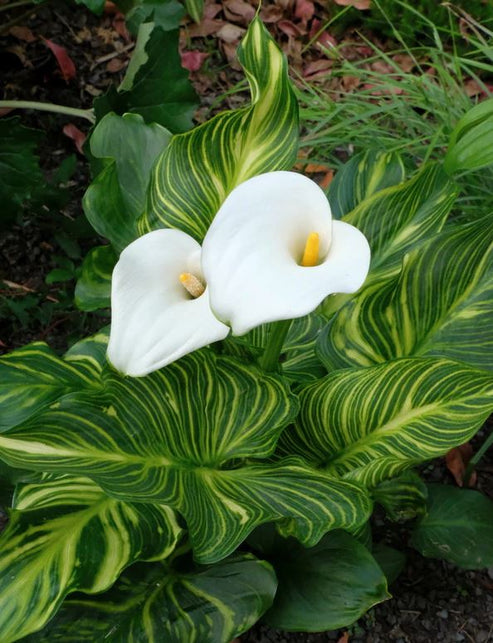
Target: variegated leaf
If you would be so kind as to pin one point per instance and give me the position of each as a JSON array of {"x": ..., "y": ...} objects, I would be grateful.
[
  {"x": 198, "y": 169},
  {"x": 398, "y": 219},
  {"x": 66, "y": 534},
  {"x": 402, "y": 497},
  {"x": 154, "y": 604},
  {"x": 299, "y": 360},
  {"x": 440, "y": 305},
  {"x": 93, "y": 288},
  {"x": 33, "y": 377},
  {"x": 362, "y": 177},
  {"x": 179, "y": 437},
  {"x": 369, "y": 424}
]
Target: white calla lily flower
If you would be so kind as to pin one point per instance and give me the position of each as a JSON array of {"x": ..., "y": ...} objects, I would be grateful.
[
  {"x": 273, "y": 252},
  {"x": 160, "y": 304}
]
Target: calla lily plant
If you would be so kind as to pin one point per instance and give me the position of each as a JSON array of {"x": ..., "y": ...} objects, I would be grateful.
[{"x": 273, "y": 252}]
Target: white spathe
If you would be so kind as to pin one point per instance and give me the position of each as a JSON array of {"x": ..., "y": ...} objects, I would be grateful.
[
  {"x": 154, "y": 321},
  {"x": 252, "y": 252}
]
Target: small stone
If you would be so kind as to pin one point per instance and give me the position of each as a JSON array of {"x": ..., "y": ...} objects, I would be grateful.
[{"x": 442, "y": 614}]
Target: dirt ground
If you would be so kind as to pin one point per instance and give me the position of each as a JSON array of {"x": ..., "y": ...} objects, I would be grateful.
[{"x": 432, "y": 600}]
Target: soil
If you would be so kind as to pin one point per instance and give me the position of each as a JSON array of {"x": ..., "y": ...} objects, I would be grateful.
[{"x": 432, "y": 600}]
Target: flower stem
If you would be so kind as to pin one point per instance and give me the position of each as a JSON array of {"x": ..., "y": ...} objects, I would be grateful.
[
  {"x": 278, "y": 331},
  {"x": 88, "y": 114},
  {"x": 477, "y": 457}
]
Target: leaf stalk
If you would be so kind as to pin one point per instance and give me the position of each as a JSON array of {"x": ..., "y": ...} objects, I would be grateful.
[{"x": 88, "y": 114}]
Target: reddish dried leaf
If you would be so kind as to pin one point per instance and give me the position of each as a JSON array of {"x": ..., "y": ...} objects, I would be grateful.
[
  {"x": 362, "y": 5},
  {"x": 65, "y": 63},
  {"x": 326, "y": 180},
  {"x": 212, "y": 9},
  {"x": 193, "y": 60},
  {"x": 317, "y": 68},
  {"x": 290, "y": 29},
  {"x": 304, "y": 10},
  {"x": 314, "y": 168},
  {"x": 405, "y": 62},
  {"x": 456, "y": 461},
  {"x": 22, "y": 33},
  {"x": 119, "y": 26},
  {"x": 5, "y": 110},
  {"x": 115, "y": 65},
  {"x": 110, "y": 7},
  {"x": 76, "y": 135},
  {"x": 326, "y": 40},
  {"x": 344, "y": 638}
]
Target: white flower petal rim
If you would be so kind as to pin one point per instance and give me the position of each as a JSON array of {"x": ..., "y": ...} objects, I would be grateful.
[
  {"x": 154, "y": 321},
  {"x": 252, "y": 252}
]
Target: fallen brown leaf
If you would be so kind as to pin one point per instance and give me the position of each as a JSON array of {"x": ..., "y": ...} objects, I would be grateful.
[
  {"x": 304, "y": 10},
  {"x": 344, "y": 638},
  {"x": 193, "y": 60},
  {"x": 115, "y": 65},
  {"x": 230, "y": 33},
  {"x": 76, "y": 135},
  {"x": 290, "y": 29},
  {"x": 362, "y": 5},
  {"x": 239, "y": 11},
  {"x": 65, "y": 63},
  {"x": 456, "y": 461},
  {"x": 207, "y": 27},
  {"x": 22, "y": 33}
]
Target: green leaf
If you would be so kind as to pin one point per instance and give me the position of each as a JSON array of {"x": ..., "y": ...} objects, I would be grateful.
[
  {"x": 165, "y": 14},
  {"x": 197, "y": 171},
  {"x": 66, "y": 534},
  {"x": 402, "y": 497},
  {"x": 440, "y": 305},
  {"x": 179, "y": 437},
  {"x": 391, "y": 561},
  {"x": 361, "y": 177},
  {"x": 19, "y": 166},
  {"x": 150, "y": 603},
  {"x": 155, "y": 86},
  {"x": 33, "y": 378},
  {"x": 457, "y": 527},
  {"x": 398, "y": 219},
  {"x": 93, "y": 288},
  {"x": 470, "y": 146},
  {"x": 96, "y": 6},
  {"x": 369, "y": 424},
  {"x": 116, "y": 198},
  {"x": 195, "y": 9},
  {"x": 326, "y": 587}
]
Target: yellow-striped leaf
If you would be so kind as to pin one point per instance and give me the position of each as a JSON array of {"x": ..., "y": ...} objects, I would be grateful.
[
  {"x": 153, "y": 604},
  {"x": 402, "y": 497},
  {"x": 93, "y": 288},
  {"x": 369, "y": 424},
  {"x": 398, "y": 219},
  {"x": 33, "y": 377},
  {"x": 186, "y": 436},
  {"x": 440, "y": 305},
  {"x": 362, "y": 177},
  {"x": 198, "y": 169},
  {"x": 66, "y": 534}
]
